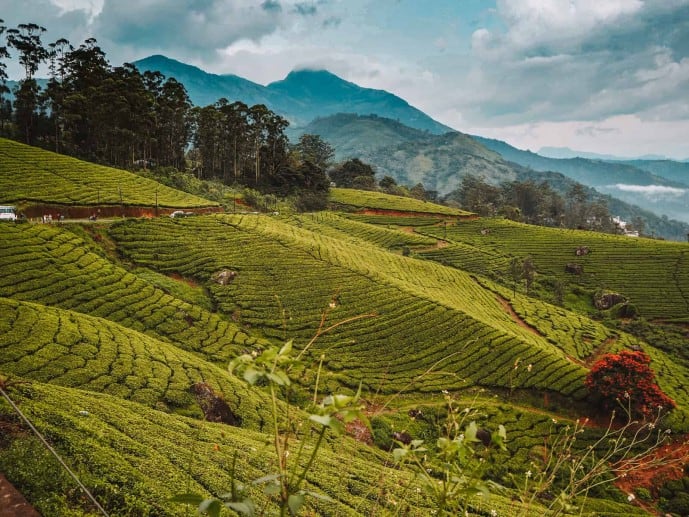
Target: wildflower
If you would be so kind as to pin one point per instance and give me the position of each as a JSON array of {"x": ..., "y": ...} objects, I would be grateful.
[
  {"x": 528, "y": 474},
  {"x": 493, "y": 513},
  {"x": 554, "y": 421},
  {"x": 332, "y": 305},
  {"x": 631, "y": 497},
  {"x": 445, "y": 392},
  {"x": 528, "y": 368}
]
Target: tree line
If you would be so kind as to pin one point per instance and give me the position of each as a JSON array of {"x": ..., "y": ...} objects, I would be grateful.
[
  {"x": 536, "y": 203},
  {"x": 124, "y": 118}
]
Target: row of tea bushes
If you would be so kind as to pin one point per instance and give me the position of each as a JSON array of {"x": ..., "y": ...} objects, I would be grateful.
[{"x": 32, "y": 174}]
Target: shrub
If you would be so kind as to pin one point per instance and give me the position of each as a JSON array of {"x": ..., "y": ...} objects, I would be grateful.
[{"x": 626, "y": 378}]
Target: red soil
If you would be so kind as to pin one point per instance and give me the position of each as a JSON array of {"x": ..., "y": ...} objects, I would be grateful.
[{"x": 12, "y": 503}]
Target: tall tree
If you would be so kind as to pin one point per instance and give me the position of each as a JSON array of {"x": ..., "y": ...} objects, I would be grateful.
[
  {"x": 5, "y": 106},
  {"x": 26, "y": 40}
]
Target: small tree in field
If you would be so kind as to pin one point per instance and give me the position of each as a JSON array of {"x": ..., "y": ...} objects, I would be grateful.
[{"x": 626, "y": 378}]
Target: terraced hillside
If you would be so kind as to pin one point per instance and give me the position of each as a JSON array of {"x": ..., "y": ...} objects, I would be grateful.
[
  {"x": 288, "y": 274},
  {"x": 30, "y": 174},
  {"x": 371, "y": 201},
  {"x": 52, "y": 266},
  {"x": 102, "y": 355},
  {"x": 652, "y": 274}
]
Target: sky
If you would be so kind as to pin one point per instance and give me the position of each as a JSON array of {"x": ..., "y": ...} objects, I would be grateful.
[{"x": 603, "y": 76}]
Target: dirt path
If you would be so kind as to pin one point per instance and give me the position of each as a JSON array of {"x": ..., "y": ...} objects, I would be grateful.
[
  {"x": 12, "y": 503},
  {"x": 517, "y": 319}
]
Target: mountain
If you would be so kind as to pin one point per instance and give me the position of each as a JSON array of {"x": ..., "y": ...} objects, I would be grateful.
[
  {"x": 355, "y": 135},
  {"x": 439, "y": 162},
  {"x": 302, "y": 96},
  {"x": 668, "y": 169},
  {"x": 205, "y": 88},
  {"x": 660, "y": 188},
  {"x": 566, "y": 152}
]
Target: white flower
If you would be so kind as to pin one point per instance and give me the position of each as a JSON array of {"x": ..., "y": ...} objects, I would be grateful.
[
  {"x": 631, "y": 497},
  {"x": 528, "y": 368},
  {"x": 528, "y": 474},
  {"x": 493, "y": 513}
]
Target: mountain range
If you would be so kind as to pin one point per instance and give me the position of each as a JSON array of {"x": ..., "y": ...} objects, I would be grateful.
[
  {"x": 401, "y": 141},
  {"x": 300, "y": 97}
]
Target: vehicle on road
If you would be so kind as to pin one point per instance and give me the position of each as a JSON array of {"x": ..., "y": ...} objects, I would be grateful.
[{"x": 8, "y": 213}]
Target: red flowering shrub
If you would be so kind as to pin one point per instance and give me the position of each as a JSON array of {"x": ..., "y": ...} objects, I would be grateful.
[{"x": 626, "y": 378}]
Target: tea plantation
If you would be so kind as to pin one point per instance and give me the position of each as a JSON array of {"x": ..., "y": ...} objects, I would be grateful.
[
  {"x": 28, "y": 174},
  {"x": 107, "y": 332}
]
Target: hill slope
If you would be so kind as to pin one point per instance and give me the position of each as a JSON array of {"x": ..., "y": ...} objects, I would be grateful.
[{"x": 34, "y": 175}]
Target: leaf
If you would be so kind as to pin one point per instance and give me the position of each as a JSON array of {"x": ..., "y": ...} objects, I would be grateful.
[
  {"x": 286, "y": 348},
  {"x": 324, "y": 420},
  {"x": 266, "y": 479},
  {"x": 322, "y": 497},
  {"x": 252, "y": 375},
  {"x": 193, "y": 499},
  {"x": 399, "y": 454},
  {"x": 271, "y": 489},
  {"x": 245, "y": 507},
  {"x": 210, "y": 506},
  {"x": 295, "y": 502},
  {"x": 279, "y": 377},
  {"x": 470, "y": 432}
]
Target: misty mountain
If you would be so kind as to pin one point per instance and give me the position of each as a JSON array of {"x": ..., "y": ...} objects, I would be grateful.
[
  {"x": 302, "y": 96},
  {"x": 589, "y": 172},
  {"x": 439, "y": 162},
  {"x": 566, "y": 152}
]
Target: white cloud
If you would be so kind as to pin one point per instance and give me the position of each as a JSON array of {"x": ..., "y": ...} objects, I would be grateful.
[{"x": 656, "y": 192}]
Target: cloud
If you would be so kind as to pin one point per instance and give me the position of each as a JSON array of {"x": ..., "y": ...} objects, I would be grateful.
[
  {"x": 651, "y": 191},
  {"x": 305, "y": 8},
  {"x": 578, "y": 59},
  {"x": 200, "y": 27},
  {"x": 271, "y": 5}
]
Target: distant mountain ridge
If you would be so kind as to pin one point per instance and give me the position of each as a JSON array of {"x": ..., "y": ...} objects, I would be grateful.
[
  {"x": 566, "y": 152},
  {"x": 300, "y": 97}
]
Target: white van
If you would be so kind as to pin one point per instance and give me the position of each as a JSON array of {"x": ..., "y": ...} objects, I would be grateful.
[{"x": 7, "y": 213}]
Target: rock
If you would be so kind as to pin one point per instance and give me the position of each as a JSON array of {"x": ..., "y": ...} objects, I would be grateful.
[
  {"x": 214, "y": 407},
  {"x": 224, "y": 277},
  {"x": 575, "y": 269},
  {"x": 606, "y": 299}
]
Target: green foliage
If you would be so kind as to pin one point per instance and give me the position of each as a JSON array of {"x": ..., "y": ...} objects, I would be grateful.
[
  {"x": 32, "y": 174},
  {"x": 363, "y": 200}
]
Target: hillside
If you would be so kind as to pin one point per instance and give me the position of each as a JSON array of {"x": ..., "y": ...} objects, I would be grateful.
[
  {"x": 32, "y": 176},
  {"x": 107, "y": 330},
  {"x": 300, "y": 97}
]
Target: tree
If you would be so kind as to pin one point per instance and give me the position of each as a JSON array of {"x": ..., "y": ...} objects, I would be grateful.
[
  {"x": 388, "y": 184},
  {"x": 4, "y": 90},
  {"x": 26, "y": 39},
  {"x": 344, "y": 174},
  {"x": 316, "y": 150},
  {"x": 627, "y": 379}
]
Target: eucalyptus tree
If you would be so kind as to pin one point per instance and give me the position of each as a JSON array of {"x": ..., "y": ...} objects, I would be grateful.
[
  {"x": 206, "y": 139},
  {"x": 5, "y": 106},
  {"x": 275, "y": 148},
  {"x": 55, "y": 90},
  {"x": 172, "y": 116},
  {"x": 26, "y": 40},
  {"x": 85, "y": 106},
  {"x": 235, "y": 140},
  {"x": 258, "y": 120}
]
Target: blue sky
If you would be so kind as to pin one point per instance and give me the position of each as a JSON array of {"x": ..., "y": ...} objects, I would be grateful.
[{"x": 607, "y": 76}]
